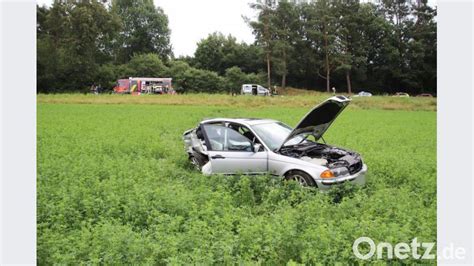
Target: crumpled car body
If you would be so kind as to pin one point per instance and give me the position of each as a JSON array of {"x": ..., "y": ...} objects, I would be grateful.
[{"x": 261, "y": 146}]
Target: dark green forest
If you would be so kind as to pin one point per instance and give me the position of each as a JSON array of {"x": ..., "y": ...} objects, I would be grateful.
[{"x": 379, "y": 46}]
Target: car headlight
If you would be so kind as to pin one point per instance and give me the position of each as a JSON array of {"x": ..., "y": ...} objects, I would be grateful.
[
  {"x": 327, "y": 174},
  {"x": 340, "y": 171}
]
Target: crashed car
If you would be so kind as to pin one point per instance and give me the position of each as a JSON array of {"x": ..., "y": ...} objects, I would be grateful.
[{"x": 259, "y": 146}]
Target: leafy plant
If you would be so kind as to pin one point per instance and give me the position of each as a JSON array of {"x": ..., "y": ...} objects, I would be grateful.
[{"x": 114, "y": 187}]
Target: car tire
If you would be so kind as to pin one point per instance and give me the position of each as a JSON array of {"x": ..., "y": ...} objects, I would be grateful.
[{"x": 301, "y": 177}]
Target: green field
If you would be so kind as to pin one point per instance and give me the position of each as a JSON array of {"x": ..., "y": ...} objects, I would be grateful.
[{"x": 114, "y": 185}]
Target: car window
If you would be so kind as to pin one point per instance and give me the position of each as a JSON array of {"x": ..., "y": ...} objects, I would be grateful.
[
  {"x": 243, "y": 130},
  {"x": 222, "y": 138}
]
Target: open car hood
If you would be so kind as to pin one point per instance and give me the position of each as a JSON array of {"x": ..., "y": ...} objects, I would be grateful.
[{"x": 318, "y": 120}]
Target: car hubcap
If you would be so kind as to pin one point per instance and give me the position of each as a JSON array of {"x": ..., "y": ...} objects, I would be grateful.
[{"x": 300, "y": 179}]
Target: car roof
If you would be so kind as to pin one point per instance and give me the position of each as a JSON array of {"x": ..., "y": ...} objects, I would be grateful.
[{"x": 244, "y": 121}]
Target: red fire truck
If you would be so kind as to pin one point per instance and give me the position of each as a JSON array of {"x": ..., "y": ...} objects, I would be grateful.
[{"x": 142, "y": 85}]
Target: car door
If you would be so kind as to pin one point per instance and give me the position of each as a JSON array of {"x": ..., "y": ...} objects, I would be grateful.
[{"x": 230, "y": 152}]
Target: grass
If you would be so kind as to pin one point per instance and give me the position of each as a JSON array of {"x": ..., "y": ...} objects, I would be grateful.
[
  {"x": 302, "y": 100},
  {"x": 114, "y": 185}
]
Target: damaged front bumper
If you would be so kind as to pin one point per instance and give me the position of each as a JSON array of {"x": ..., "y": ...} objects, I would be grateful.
[{"x": 357, "y": 178}]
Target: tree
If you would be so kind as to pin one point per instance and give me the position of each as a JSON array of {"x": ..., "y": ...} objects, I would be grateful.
[
  {"x": 209, "y": 53},
  {"x": 218, "y": 52},
  {"x": 234, "y": 78},
  {"x": 176, "y": 70},
  {"x": 198, "y": 80},
  {"x": 422, "y": 47},
  {"x": 147, "y": 65},
  {"x": 285, "y": 22},
  {"x": 263, "y": 30},
  {"x": 349, "y": 39},
  {"x": 385, "y": 46},
  {"x": 73, "y": 40},
  {"x": 249, "y": 58},
  {"x": 93, "y": 30},
  {"x": 52, "y": 26},
  {"x": 321, "y": 27},
  {"x": 144, "y": 29},
  {"x": 41, "y": 16},
  {"x": 107, "y": 75},
  {"x": 379, "y": 49},
  {"x": 397, "y": 13}
]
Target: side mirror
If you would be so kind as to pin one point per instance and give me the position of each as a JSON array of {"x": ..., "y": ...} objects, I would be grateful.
[{"x": 256, "y": 147}]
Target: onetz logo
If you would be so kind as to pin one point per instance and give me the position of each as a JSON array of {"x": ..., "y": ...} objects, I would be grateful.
[{"x": 414, "y": 249}]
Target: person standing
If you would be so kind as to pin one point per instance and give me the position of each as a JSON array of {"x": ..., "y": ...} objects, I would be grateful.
[{"x": 93, "y": 89}]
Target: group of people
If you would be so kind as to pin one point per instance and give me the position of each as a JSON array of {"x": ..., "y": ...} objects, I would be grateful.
[{"x": 96, "y": 89}]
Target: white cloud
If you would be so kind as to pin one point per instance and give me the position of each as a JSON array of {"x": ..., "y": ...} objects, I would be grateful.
[{"x": 191, "y": 21}]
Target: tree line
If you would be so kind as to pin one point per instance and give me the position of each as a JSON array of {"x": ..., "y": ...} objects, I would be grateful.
[{"x": 381, "y": 47}]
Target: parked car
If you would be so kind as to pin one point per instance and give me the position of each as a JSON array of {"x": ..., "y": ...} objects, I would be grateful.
[
  {"x": 401, "y": 94},
  {"x": 259, "y": 146},
  {"x": 424, "y": 95},
  {"x": 364, "y": 94},
  {"x": 255, "y": 89}
]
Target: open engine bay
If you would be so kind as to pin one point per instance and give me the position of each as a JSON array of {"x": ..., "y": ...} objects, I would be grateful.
[{"x": 322, "y": 154}]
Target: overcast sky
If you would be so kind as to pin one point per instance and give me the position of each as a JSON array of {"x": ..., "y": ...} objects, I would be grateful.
[{"x": 191, "y": 20}]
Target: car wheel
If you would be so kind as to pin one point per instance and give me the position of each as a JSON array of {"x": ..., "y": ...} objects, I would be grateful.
[
  {"x": 195, "y": 162},
  {"x": 301, "y": 177}
]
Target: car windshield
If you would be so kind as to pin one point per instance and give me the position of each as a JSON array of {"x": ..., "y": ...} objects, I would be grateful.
[{"x": 273, "y": 134}]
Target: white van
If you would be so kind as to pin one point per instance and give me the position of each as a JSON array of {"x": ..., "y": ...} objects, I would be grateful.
[{"x": 255, "y": 89}]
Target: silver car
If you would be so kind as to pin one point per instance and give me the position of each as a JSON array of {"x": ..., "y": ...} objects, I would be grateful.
[
  {"x": 364, "y": 94},
  {"x": 260, "y": 146}
]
